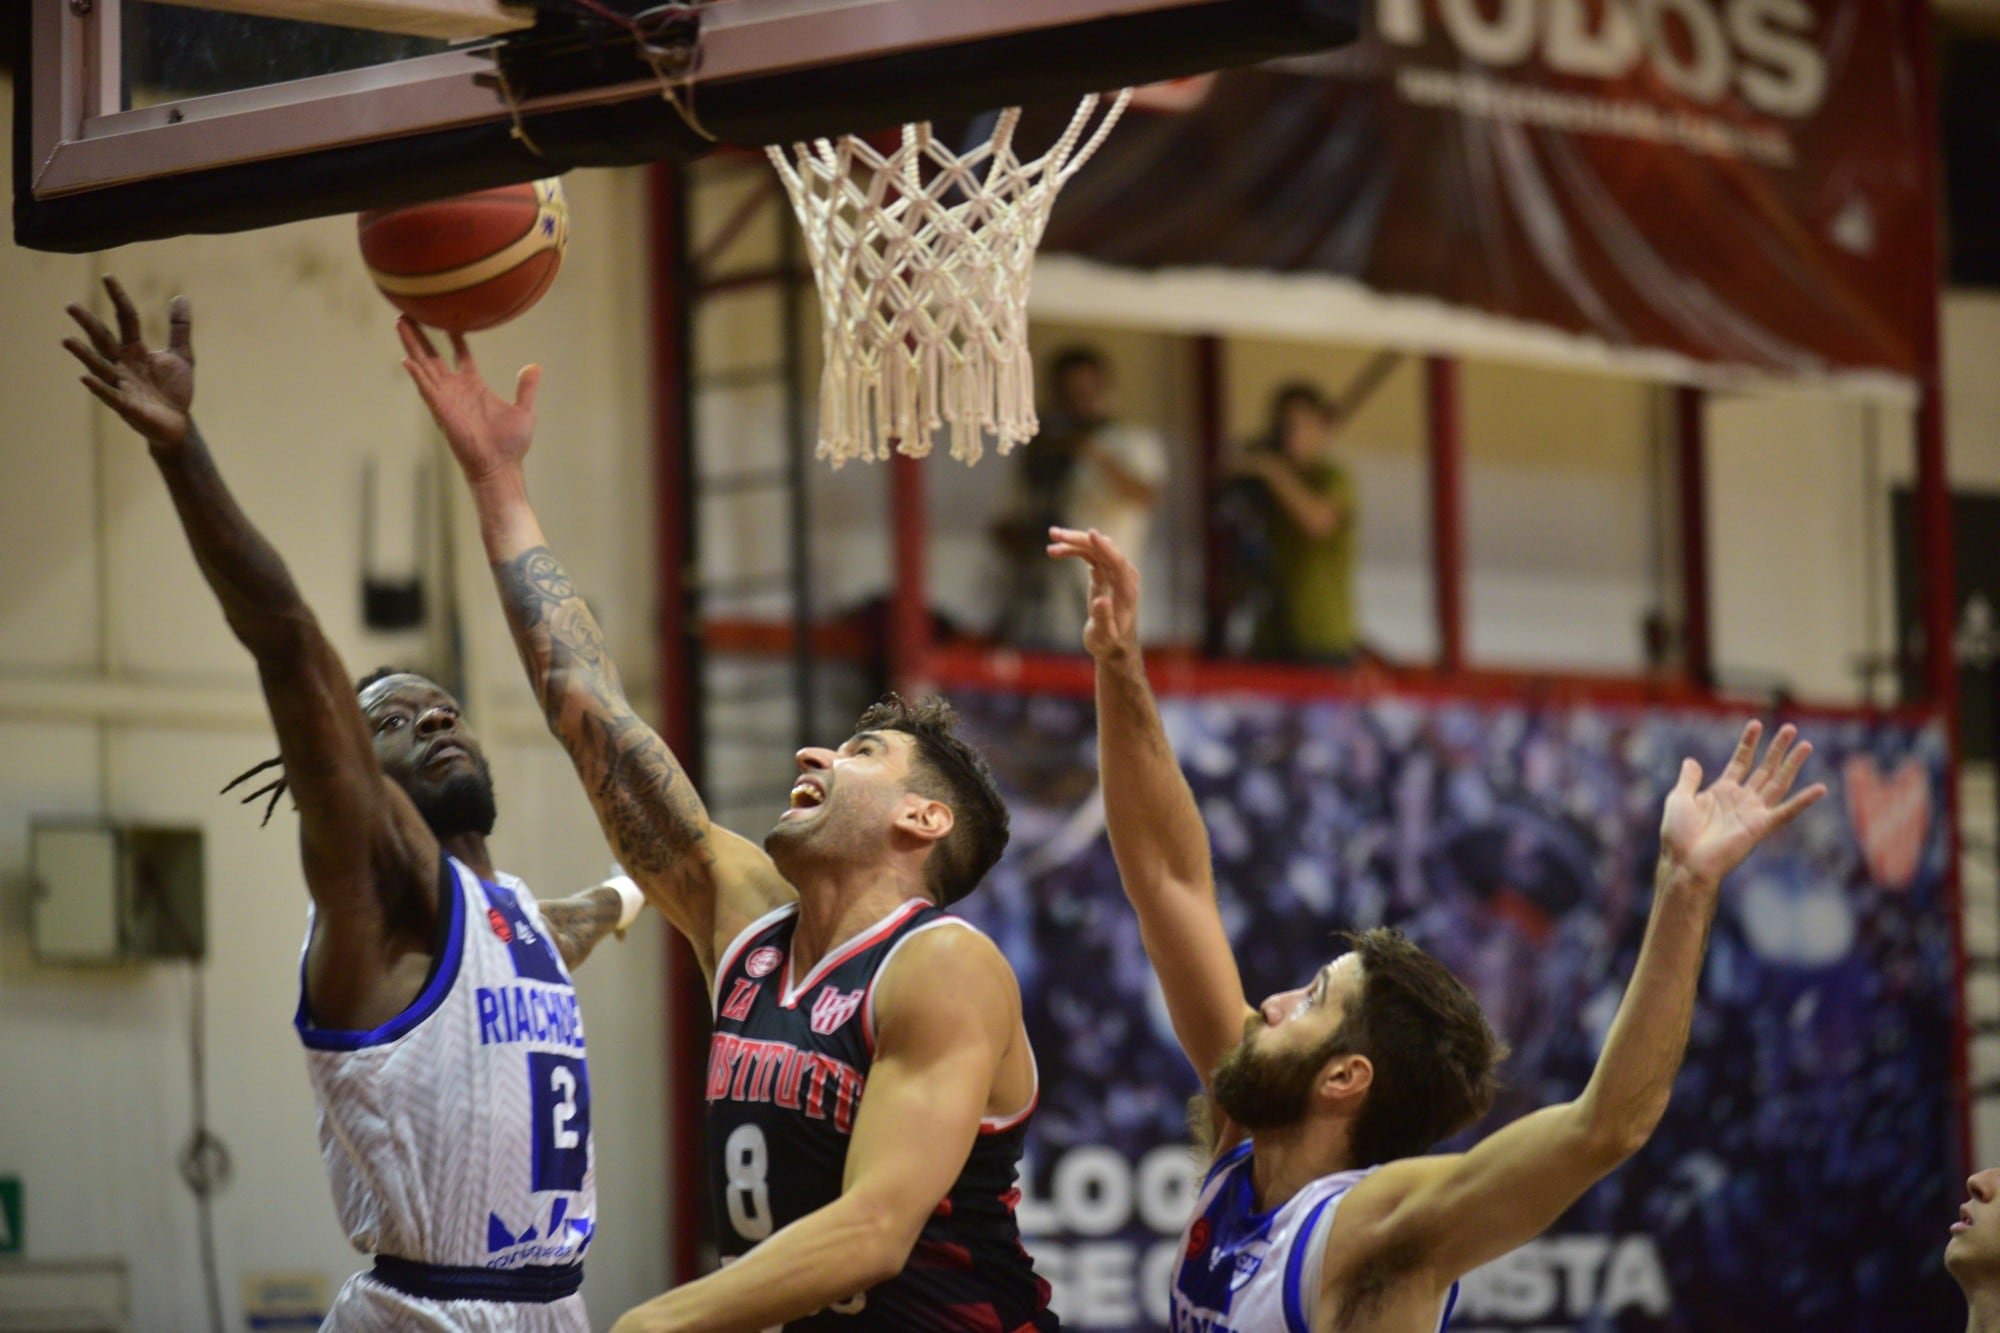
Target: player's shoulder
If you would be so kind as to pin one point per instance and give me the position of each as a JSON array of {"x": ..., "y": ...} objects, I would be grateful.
[
  {"x": 1371, "y": 1254},
  {"x": 944, "y": 957},
  {"x": 1384, "y": 1190},
  {"x": 1376, "y": 1222},
  {"x": 941, "y": 940}
]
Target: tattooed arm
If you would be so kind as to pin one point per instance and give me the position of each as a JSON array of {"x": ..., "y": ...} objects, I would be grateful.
[
  {"x": 578, "y": 922},
  {"x": 707, "y": 881}
]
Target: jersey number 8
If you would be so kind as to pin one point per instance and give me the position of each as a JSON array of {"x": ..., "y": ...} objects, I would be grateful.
[
  {"x": 746, "y": 1162},
  {"x": 746, "y": 1166}
]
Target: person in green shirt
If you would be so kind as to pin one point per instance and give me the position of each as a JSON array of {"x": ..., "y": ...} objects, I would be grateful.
[{"x": 1308, "y": 520}]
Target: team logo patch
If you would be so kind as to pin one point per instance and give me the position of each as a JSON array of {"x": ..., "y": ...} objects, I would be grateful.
[
  {"x": 1198, "y": 1237},
  {"x": 762, "y": 962},
  {"x": 738, "y": 1005},
  {"x": 498, "y": 920},
  {"x": 832, "y": 1008}
]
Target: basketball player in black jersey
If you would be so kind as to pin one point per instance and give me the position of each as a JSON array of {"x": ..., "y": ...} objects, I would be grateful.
[{"x": 870, "y": 1078}]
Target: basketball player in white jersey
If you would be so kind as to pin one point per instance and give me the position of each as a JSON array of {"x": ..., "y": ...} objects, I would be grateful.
[
  {"x": 870, "y": 1079},
  {"x": 1972, "y": 1256},
  {"x": 441, "y": 1030},
  {"x": 1319, "y": 1211}
]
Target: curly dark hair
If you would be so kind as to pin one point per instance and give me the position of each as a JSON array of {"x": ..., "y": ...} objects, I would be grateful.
[{"x": 947, "y": 769}]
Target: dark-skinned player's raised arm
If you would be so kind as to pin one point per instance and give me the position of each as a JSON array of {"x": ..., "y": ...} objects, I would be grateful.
[
  {"x": 710, "y": 883},
  {"x": 370, "y": 861}
]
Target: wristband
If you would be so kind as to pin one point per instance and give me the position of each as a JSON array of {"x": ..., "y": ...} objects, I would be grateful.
[{"x": 631, "y": 896}]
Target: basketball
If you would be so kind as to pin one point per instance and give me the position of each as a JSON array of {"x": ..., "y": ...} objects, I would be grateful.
[{"x": 471, "y": 262}]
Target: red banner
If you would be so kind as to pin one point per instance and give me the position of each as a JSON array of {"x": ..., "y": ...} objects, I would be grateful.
[{"x": 1740, "y": 182}]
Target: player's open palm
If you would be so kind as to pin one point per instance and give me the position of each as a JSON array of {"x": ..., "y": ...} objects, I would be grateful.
[
  {"x": 152, "y": 390},
  {"x": 1113, "y": 628},
  {"x": 1707, "y": 832},
  {"x": 487, "y": 434}
]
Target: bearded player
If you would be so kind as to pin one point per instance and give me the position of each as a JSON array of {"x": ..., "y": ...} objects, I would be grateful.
[
  {"x": 1320, "y": 1210},
  {"x": 434, "y": 991},
  {"x": 870, "y": 1081}
]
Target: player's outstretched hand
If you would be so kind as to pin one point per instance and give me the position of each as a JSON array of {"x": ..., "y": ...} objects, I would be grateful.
[
  {"x": 487, "y": 434},
  {"x": 1112, "y": 632},
  {"x": 153, "y": 391},
  {"x": 1706, "y": 833}
]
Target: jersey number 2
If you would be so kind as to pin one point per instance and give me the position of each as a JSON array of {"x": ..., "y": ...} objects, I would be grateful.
[{"x": 560, "y": 1086}]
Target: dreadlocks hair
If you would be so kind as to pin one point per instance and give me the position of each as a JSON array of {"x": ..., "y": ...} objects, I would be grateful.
[
  {"x": 276, "y": 788},
  {"x": 946, "y": 769}
]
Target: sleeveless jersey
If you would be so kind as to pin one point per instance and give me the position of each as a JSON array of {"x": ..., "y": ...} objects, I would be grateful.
[
  {"x": 1242, "y": 1271},
  {"x": 786, "y": 1073},
  {"x": 458, "y": 1133}
]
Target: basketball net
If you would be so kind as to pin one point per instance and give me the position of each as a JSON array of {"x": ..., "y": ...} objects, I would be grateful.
[{"x": 923, "y": 259}]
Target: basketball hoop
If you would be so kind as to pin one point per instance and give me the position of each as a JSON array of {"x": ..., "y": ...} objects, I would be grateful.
[{"x": 923, "y": 259}]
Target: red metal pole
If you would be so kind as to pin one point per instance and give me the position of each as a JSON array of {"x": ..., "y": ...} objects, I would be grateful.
[
  {"x": 909, "y": 616},
  {"x": 1447, "y": 450},
  {"x": 1690, "y": 437},
  {"x": 1935, "y": 553},
  {"x": 677, "y": 651},
  {"x": 1939, "y": 588},
  {"x": 1210, "y": 431}
]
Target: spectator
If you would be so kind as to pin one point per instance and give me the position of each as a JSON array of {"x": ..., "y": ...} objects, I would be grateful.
[
  {"x": 1083, "y": 470},
  {"x": 1288, "y": 517}
]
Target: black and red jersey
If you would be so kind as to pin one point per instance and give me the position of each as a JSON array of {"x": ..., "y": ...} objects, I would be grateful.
[{"x": 786, "y": 1073}]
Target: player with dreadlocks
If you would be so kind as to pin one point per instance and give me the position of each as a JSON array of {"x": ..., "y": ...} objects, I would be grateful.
[{"x": 435, "y": 991}]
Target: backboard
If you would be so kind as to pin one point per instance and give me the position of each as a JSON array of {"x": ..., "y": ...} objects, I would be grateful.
[{"x": 138, "y": 119}]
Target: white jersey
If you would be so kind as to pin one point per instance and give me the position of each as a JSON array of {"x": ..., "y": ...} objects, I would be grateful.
[
  {"x": 456, "y": 1136},
  {"x": 1242, "y": 1271}
]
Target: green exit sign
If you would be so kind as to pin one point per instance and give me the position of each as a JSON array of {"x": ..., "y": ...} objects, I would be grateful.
[{"x": 10, "y": 1214}]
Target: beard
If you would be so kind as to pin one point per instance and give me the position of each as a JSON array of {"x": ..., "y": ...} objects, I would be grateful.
[
  {"x": 462, "y": 803},
  {"x": 1262, "y": 1090}
]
